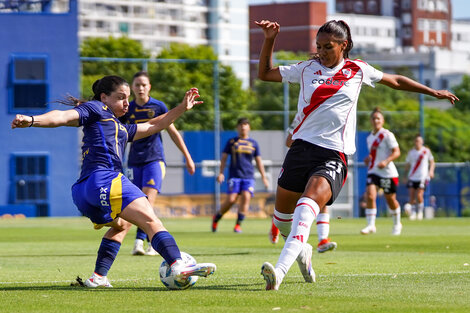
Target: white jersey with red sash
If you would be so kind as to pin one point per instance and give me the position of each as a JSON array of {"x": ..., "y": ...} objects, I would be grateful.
[
  {"x": 326, "y": 110},
  {"x": 380, "y": 146},
  {"x": 419, "y": 163}
]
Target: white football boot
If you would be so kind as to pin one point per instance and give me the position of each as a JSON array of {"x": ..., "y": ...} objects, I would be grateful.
[
  {"x": 151, "y": 250},
  {"x": 269, "y": 274},
  {"x": 369, "y": 229},
  {"x": 396, "y": 230},
  {"x": 96, "y": 281},
  {"x": 304, "y": 260},
  {"x": 138, "y": 247},
  {"x": 182, "y": 271},
  {"x": 326, "y": 245}
]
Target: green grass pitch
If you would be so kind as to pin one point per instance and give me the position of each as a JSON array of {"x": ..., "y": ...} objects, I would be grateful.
[{"x": 426, "y": 269}]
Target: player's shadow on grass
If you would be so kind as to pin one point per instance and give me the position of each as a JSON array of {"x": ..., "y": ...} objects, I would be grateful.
[
  {"x": 249, "y": 287},
  {"x": 46, "y": 255},
  {"x": 222, "y": 254}
]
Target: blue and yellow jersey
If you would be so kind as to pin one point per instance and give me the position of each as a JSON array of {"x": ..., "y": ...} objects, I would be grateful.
[
  {"x": 148, "y": 149},
  {"x": 104, "y": 138},
  {"x": 242, "y": 152}
]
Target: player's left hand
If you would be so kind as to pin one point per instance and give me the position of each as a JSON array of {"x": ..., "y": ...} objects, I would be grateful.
[
  {"x": 446, "y": 94},
  {"x": 21, "y": 121}
]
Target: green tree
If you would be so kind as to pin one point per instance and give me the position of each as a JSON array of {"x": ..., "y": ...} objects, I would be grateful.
[
  {"x": 196, "y": 69},
  {"x": 462, "y": 91},
  {"x": 110, "y": 47}
]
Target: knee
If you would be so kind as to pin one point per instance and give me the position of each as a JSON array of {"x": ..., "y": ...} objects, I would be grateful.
[
  {"x": 123, "y": 225},
  {"x": 370, "y": 197}
]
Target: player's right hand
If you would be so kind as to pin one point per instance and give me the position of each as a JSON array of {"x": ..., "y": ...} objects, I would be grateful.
[
  {"x": 190, "y": 97},
  {"x": 21, "y": 121},
  {"x": 270, "y": 29}
]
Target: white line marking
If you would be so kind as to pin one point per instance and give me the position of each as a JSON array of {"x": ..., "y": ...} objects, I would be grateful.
[{"x": 248, "y": 277}]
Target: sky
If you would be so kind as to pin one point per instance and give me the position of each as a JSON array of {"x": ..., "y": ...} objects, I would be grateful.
[{"x": 460, "y": 8}]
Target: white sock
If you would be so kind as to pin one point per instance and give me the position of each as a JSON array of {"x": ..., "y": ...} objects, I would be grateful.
[
  {"x": 304, "y": 215},
  {"x": 283, "y": 222},
  {"x": 370, "y": 216},
  {"x": 414, "y": 209},
  {"x": 323, "y": 226},
  {"x": 396, "y": 215},
  {"x": 420, "y": 207}
]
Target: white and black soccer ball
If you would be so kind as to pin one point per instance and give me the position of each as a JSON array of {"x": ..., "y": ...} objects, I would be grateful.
[{"x": 168, "y": 279}]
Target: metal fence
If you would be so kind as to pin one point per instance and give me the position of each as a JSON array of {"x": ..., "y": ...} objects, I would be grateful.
[{"x": 448, "y": 194}]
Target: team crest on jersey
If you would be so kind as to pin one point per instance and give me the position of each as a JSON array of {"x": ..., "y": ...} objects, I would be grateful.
[
  {"x": 150, "y": 114},
  {"x": 346, "y": 72}
]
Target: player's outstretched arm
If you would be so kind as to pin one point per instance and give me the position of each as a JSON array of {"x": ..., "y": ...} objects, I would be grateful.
[
  {"x": 400, "y": 82},
  {"x": 50, "y": 119},
  {"x": 266, "y": 71},
  {"x": 163, "y": 121}
]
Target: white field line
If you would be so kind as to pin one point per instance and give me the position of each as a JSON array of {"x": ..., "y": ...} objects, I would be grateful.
[{"x": 247, "y": 277}]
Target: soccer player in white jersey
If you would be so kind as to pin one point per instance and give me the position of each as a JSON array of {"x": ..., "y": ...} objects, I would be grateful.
[
  {"x": 323, "y": 219},
  {"x": 420, "y": 167},
  {"x": 315, "y": 166},
  {"x": 381, "y": 173}
]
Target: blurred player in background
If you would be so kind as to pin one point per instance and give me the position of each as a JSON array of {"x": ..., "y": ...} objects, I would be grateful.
[
  {"x": 381, "y": 173},
  {"x": 315, "y": 166},
  {"x": 241, "y": 181},
  {"x": 323, "y": 219},
  {"x": 103, "y": 193},
  {"x": 146, "y": 163},
  {"x": 420, "y": 168}
]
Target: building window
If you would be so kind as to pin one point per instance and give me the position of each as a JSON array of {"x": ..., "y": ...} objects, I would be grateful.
[
  {"x": 173, "y": 30},
  {"x": 358, "y": 7},
  {"x": 406, "y": 4},
  {"x": 29, "y": 180},
  {"x": 372, "y": 7},
  {"x": 29, "y": 87},
  {"x": 124, "y": 27}
]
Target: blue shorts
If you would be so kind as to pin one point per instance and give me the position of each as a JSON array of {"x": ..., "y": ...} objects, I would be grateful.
[
  {"x": 149, "y": 175},
  {"x": 237, "y": 185},
  {"x": 103, "y": 195}
]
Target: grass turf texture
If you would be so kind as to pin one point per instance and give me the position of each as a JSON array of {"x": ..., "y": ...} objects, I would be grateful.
[{"x": 423, "y": 270}]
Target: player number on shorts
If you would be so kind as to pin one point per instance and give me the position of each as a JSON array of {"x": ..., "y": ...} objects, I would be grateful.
[
  {"x": 333, "y": 167},
  {"x": 385, "y": 183}
]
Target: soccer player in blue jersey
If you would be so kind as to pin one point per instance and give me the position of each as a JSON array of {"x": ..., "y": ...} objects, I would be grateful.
[
  {"x": 103, "y": 193},
  {"x": 242, "y": 150},
  {"x": 146, "y": 163}
]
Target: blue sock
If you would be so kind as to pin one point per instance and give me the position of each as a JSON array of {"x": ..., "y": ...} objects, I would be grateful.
[
  {"x": 140, "y": 234},
  {"x": 240, "y": 218},
  {"x": 164, "y": 243},
  {"x": 106, "y": 255}
]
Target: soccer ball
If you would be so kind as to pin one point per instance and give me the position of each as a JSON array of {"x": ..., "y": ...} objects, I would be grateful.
[{"x": 168, "y": 279}]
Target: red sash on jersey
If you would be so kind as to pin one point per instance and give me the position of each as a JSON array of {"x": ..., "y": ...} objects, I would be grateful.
[
  {"x": 326, "y": 91},
  {"x": 418, "y": 162},
  {"x": 373, "y": 149}
]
